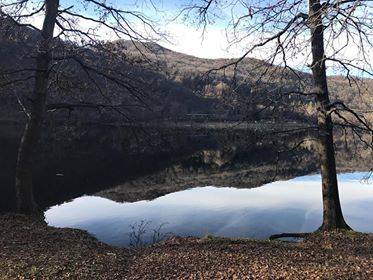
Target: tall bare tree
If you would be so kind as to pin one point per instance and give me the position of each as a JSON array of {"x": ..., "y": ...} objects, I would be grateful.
[
  {"x": 67, "y": 33},
  {"x": 312, "y": 33}
]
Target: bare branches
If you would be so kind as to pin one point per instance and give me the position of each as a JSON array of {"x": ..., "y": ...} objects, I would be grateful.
[
  {"x": 108, "y": 20},
  {"x": 80, "y": 35},
  {"x": 266, "y": 41},
  {"x": 278, "y": 32},
  {"x": 340, "y": 106}
]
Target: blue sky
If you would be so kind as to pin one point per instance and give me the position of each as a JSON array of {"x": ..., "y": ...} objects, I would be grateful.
[{"x": 163, "y": 9}]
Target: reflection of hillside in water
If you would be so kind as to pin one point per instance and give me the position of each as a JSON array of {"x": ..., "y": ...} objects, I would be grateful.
[
  {"x": 72, "y": 161},
  {"x": 128, "y": 164},
  {"x": 219, "y": 158},
  {"x": 243, "y": 163}
]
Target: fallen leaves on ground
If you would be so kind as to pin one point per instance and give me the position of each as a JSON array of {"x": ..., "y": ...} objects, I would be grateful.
[
  {"x": 322, "y": 256},
  {"x": 29, "y": 249}
]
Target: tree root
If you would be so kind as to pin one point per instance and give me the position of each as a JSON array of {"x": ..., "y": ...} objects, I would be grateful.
[{"x": 292, "y": 234}]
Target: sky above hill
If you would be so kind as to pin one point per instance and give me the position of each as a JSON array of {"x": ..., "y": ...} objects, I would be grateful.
[
  {"x": 182, "y": 35},
  {"x": 185, "y": 35}
]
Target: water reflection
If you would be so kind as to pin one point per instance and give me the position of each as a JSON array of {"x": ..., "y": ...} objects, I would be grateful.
[
  {"x": 134, "y": 163},
  {"x": 293, "y": 205}
]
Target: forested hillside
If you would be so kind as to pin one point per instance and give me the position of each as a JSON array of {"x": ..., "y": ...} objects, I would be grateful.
[
  {"x": 253, "y": 84},
  {"x": 159, "y": 84}
]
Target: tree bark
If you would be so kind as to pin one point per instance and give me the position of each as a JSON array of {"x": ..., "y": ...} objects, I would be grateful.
[
  {"x": 332, "y": 211},
  {"x": 24, "y": 186}
]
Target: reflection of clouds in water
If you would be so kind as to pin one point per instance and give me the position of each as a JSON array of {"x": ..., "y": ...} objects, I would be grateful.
[
  {"x": 362, "y": 177},
  {"x": 293, "y": 205}
]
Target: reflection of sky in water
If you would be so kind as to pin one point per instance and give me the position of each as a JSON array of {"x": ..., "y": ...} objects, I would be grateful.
[{"x": 293, "y": 205}]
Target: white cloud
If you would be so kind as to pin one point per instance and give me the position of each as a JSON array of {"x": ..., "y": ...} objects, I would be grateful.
[
  {"x": 214, "y": 43},
  {"x": 181, "y": 38}
]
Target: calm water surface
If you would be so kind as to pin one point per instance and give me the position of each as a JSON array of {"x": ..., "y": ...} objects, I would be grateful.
[{"x": 282, "y": 206}]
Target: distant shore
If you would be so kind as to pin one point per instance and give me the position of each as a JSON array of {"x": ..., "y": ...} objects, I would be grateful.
[
  {"x": 234, "y": 125},
  {"x": 32, "y": 250}
]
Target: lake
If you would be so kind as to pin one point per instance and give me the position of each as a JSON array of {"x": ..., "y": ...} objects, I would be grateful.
[
  {"x": 282, "y": 206},
  {"x": 184, "y": 180}
]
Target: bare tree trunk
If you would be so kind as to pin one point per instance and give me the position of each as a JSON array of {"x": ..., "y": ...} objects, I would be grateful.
[
  {"x": 332, "y": 212},
  {"x": 24, "y": 188}
]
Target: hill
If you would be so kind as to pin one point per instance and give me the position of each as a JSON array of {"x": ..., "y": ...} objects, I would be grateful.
[
  {"x": 246, "y": 88},
  {"x": 159, "y": 84}
]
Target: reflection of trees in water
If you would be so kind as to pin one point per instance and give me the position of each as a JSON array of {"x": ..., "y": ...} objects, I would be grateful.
[
  {"x": 219, "y": 157},
  {"x": 83, "y": 160},
  {"x": 132, "y": 164},
  {"x": 241, "y": 161}
]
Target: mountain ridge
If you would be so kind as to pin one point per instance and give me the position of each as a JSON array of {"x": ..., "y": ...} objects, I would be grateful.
[{"x": 175, "y": 84}]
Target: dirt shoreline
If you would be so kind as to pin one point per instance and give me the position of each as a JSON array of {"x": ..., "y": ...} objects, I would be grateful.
[{"x": 29, "y": 249}]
